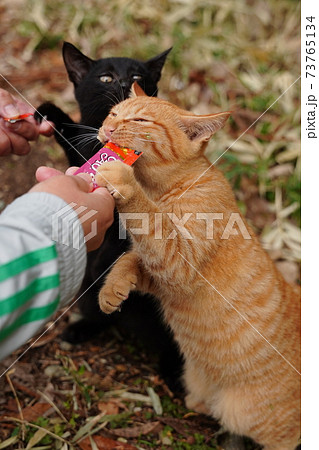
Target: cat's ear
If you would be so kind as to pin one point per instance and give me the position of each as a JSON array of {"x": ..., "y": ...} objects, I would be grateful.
[
  {"x": 137, "y": 91},
  {"x": 76, "y": 63},
  {"x": 202, "y": 128},
  {"x": 155, "y": 65}
]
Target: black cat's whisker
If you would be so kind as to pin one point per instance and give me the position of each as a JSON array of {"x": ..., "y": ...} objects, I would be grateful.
[
  {"x": 94, "y": 109},
  {"x": 98, "y": 144},
  {"x": 121, "y": 90},
  {"x": 154, "y": 93},
  {"x": 112, "y": 97}
]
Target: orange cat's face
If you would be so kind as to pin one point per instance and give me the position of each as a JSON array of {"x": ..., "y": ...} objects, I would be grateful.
[{"x": 165, "y": 133}]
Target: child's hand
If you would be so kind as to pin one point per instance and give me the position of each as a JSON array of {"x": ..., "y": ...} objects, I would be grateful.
[
  {"x": 15, "y": 137},
  {"x": 78, "y": 189}
]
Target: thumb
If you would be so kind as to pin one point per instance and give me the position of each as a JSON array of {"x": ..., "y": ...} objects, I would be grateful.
[
  {"x": 103, "y": 192},
  {"x": 84, "y": 181},
  {"x": 43, "y": 173}
]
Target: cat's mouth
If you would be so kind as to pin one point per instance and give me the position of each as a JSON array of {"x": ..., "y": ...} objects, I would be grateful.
[{"x": 104, "y": 139}]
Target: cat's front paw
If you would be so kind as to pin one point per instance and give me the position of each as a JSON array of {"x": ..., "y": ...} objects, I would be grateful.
[
  {"x": 118, "y": 178},
  {"x": 115, "y": 291},
  {"x": 48, "y": 111}
]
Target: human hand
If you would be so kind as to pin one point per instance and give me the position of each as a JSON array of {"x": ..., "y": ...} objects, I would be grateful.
[
  {"x": 78, "y": 189},
  {"x": 15, "y": 137}
]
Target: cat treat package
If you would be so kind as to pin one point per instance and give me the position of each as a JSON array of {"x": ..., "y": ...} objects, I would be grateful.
[{"x": 110, "y": 152}]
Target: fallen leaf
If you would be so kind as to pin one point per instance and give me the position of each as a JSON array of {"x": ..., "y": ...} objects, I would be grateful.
[
  {"x": 108, "y": 407},
  {"x": 5, "y": 444},
  {"x": 179, "y": 425},
  {"x": 38, "y": 435},
  {"x": 104, "y": 443},
  {"x": 31, "y": 413},
  {"x": 133, "y": 432}
]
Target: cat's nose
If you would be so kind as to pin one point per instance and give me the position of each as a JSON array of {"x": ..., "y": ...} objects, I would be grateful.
[
  {"x": 124, "y": 84},
  {"x": 108, "y": 133}
]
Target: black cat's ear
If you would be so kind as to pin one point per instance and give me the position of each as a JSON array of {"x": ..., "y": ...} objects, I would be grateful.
[
  {"x": 137, "y": 91},
  {"x": 75, "y": 62},
  {"x": 202, "y": 128},
  {"x": 155, "y": 65}
]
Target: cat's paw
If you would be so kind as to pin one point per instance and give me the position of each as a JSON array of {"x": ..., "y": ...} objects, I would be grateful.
[
  {"x": 115, "y": 291},
  {"x": 196, "y": 405},
  {"x": 118, "y": 178},
  {"x": 48, "y": 111}
]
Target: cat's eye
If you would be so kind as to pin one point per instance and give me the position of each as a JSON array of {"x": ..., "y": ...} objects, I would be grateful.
[
  {"x": 106, "y": 79},
  {"x": 112, "y": 114},
  {"x": 139, "y": 119},
  {"x": 137, "y": 77}
]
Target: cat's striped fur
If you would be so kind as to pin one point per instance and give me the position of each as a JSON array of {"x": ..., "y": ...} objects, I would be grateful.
[{"x": 235, "y": 318}]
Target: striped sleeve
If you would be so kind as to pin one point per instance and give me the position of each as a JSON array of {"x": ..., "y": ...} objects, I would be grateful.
[{"x": 40, "y": 269}]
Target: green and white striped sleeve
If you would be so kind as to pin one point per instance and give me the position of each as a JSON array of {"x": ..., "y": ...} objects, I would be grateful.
[{"x": 37, "y": 274}]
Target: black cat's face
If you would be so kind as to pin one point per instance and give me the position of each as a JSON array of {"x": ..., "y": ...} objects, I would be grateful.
[{"x": 100, "y": 84}]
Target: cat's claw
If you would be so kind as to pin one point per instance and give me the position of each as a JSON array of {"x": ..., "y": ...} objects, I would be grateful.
[
  {"x": 118, "y": 178},
  {"x": 114, "y": 292}
]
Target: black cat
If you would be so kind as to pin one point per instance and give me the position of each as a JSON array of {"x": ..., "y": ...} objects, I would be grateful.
[{"x": 98, "y": 85}]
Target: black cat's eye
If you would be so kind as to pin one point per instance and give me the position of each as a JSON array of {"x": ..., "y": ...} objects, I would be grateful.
[
  {"x": 136, "y": 77},
  {"x": 106, "y": 79}
]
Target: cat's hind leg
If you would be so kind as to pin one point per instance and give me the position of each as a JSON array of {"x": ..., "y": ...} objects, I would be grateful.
[{"x": 197, "y": 388}]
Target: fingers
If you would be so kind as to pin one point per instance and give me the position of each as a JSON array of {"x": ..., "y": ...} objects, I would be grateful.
[
  {"x": 77, "y": 190},
  {"x": 46, "y": 128},
  {"x": 12, "y": 143},
  {"x": 71, "y": 170},
  {"x": 8, "y": 107},
  {"x": 25, "y": 128},
  {"x": 103, "y": 192},
  {"x": 84, "y": 181},
  {"x": 43, "y": 173}
]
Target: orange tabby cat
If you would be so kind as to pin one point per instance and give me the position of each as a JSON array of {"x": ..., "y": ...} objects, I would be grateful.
[{"x": 235, "y": 318}]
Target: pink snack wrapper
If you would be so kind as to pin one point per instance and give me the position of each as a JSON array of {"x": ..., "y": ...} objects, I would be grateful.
[{"x": 110, "y": 152}]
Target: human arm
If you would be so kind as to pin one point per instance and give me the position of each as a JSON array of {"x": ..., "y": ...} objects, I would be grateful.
[{"x": 39, "y": 274}]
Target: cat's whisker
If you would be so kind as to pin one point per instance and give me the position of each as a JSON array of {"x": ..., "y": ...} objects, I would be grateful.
[
  {"x": 78, "y": 125},
  {"x": 86, "y": 138},
  {"x": 112, "y": 97},
  {"x": 121, "y": 91},
  {"x": 98, "y": 144},
  {"x": 92, "y": 136},
  {"x": 93, "y": 109}
]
